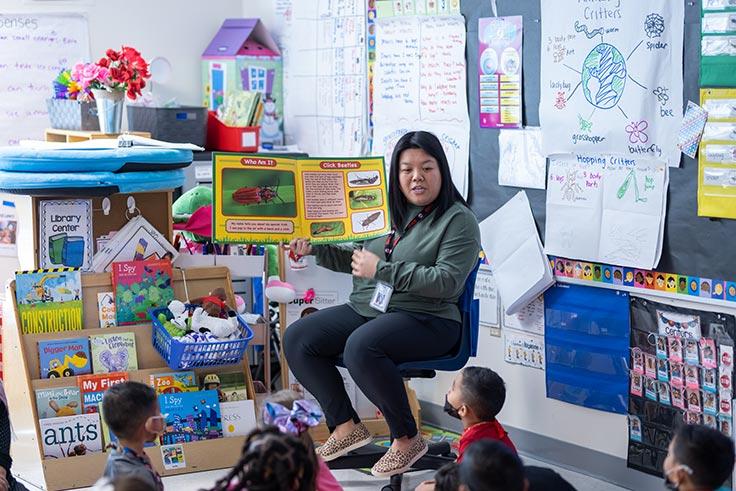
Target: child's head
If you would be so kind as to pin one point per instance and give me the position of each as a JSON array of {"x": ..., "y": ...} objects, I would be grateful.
[
  {"x": 122, "y": 483},
  {"x": 271, "y": 461},
  {"x": 477, "y": 394},
  {"x": 489, "y": 465},
  {"x": 698, "y": 458},
  {"x": 132, "y": 412},
  {"x": 447, "y": 478}
]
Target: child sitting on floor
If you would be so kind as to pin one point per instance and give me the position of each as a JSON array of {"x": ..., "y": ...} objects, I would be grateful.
[
  {"x": 475, "y": 398},
  {"x": 291, "y": 414},
  {"x": 271, "y": 461},
  {"x": 132, "y": 412}
]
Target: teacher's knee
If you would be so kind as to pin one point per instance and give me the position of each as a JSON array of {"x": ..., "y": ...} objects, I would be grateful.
[
  {"x": 294, "y": 340},
  {"x": 358, "y": 354}
]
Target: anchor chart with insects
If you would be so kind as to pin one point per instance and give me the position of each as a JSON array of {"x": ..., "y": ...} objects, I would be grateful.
[
  {"x": 611, "y": 77},
  {"x": 606, "y": 208},
  {"x": 269, "y": 200}
]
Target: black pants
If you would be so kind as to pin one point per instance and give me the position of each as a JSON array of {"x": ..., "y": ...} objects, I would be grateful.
[{"x": 371, "y": 349}]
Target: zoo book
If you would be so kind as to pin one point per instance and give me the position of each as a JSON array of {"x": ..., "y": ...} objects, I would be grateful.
[
  {"x": 265, "y": 200},
  {"x": 49, "y": 300}
]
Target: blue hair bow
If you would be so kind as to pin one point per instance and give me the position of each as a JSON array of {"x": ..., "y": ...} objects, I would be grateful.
[{"x": 303, "y": 415}]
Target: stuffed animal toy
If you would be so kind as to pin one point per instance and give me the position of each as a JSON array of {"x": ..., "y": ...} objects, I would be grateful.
[
  {"x": 214, "y": 303},
  {"x": 187, "y": 204},
  {"x": 280, "y": 291},
  {"x": 220, "y": 328}
]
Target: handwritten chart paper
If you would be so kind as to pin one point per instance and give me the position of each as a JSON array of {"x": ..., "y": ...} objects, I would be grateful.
[
  {"x": 606, "y": 209},
  {"x": 326, "y": 93},
  {"x": 487, "y": 294},
  {"x": 611, "y": 77},
  {"x": 419, "y": 83},
  {"x": 34, "y": 48}
]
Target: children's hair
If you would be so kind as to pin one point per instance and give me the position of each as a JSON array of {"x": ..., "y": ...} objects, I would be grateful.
[
  {"x": 287, "y": 398},
  {"x": 708, "y": 452},
  {"x": 489, "y": 465},
  {"x": 447, "y": 478},
  {"x": 271, "y": 461},
  {"x": 123, "y": 483},
  {"x": 126, "y": 407},
  {"x": 483, "y": 391}
]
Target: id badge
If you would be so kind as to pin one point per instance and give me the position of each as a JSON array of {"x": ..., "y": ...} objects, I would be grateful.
[{"x": 381, "y": 296}]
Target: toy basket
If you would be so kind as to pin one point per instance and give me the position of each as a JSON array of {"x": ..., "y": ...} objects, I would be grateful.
[{"x": 181, "y": 356}]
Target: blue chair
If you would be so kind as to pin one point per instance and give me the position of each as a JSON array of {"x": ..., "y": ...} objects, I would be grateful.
[{"x": 439, "y": 453}]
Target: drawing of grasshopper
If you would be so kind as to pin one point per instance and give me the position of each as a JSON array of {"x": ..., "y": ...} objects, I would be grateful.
[
  {"x": 362, "y": 198},
  {"x": 370, "y": 219},
  {"x": 364, "y": 180}
]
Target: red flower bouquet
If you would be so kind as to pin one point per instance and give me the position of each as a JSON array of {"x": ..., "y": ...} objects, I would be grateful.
[{"x": 117, "y": 71}]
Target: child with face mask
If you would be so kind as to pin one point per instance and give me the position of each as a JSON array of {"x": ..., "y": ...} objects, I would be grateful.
[
  {"x": 475, "y": 398},
  {"x": 132, "y": 412},
  {"x": 699, "y": 459}
]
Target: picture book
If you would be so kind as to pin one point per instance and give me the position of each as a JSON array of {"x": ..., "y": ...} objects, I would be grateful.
[
  {"x": 191, "y": 416},
  {"x": 113, "y": 352},
  {"x": 229, "y": 386},
  {"x": 238, "y": 417},
  {"x": 64, "y": 358},
  {"x": 106, "y": 309},
  {"x": 49, "y": 300},
  {"x": 267, "y": 200},
  {"x": 138, "y": 240},
  {"x": 71, "y": 436},
  {"x": 93, "y": 388},
  {"x": 139, "y": 286},
  {"x": 65, "y": 233},
  {"x": 173, "y": 382},
  {"x": 58, "y": 402}
]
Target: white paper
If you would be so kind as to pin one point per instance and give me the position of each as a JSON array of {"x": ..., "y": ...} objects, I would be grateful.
[
  {"x": 521, "y": 162},
  {"x": 523, "y": 349},
  {"x": 606, "y": 209},
  {"x": 611, "y": 77},
  {"x": 325, "y": 90},
  {"x": 529, "y": 319},
  {"x": 520, "y": 268},
  {"x": 123, "y": 246},
  {"x": 65, "y": 233},
  {"x": 419, "y": 83},
  {"x": 487, "y": 295},
  {"x": 34, "y": 48}
]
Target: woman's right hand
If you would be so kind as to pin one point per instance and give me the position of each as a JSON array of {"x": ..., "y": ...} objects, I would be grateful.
[{"x": 301, "y": 247}]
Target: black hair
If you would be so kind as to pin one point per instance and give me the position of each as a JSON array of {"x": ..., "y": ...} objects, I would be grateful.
[
  {"x": 130, "y": 483},
  {"x": 489, "y": 465},
  {"x": 447, "y": 478},
  {"x": 397, "y": 203},
  {"x": 484, "y": 391},
  {"x": 708, "y": 452},
  {"x": 126, "y": 407},
  {"x": 271, "y": 461}
]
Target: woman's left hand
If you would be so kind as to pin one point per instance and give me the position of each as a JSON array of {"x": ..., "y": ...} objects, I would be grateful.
[{"x": 364, "y": 263}]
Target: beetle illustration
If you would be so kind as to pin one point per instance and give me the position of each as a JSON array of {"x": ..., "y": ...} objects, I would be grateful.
[
  {"x": 324, "y": 228},
  {"x": 370, "y": 219},
  {"x": 256, "y": 195},
  {"x": 362, "y": 198},
  {"x": 364, "y": 180}
]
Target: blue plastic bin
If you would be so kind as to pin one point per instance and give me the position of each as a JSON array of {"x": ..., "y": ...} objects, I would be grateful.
[{"x": 181, "y": 356}]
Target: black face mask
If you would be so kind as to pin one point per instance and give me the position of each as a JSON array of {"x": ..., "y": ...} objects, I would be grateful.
[{"x": 450, "y": 410}]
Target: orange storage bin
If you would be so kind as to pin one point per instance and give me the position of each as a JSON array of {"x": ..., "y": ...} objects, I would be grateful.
[{"x": 231, "y": 138}]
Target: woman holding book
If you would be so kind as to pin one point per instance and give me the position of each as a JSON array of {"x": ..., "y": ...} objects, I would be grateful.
[{"x": 403, "y": 306}]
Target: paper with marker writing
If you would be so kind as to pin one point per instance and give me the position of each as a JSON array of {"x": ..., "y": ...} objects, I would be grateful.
[
  {"x": 419, "y": 83},
  {"x": 510, "y": 240}
]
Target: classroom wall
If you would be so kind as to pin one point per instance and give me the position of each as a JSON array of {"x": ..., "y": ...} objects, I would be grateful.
[
  {"x": 154, "y": 28},
  {"x": 527, "y": 406}
]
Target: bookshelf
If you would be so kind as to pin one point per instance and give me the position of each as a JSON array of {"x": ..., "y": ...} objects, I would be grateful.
[{"x": 83, "y": 471}]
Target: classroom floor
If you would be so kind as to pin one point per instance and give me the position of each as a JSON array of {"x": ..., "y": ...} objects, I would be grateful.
[{"x": 27, "y": 467}]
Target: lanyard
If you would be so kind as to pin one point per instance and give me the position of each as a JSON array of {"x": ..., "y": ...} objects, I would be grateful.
[{"x": 392, "y": 239}]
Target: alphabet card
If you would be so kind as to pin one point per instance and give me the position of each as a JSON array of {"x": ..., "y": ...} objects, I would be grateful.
[
  {"x": 65, "y": 233},
  {"x": 71, "y": 436}
]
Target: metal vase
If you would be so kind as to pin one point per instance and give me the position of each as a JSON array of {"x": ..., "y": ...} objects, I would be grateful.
[{"x": 109, "y": 109}]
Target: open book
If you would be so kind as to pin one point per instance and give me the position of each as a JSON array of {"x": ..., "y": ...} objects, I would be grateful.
[
  {"x": 511, "y": 243},
  {"x": 262, "y": 199}
]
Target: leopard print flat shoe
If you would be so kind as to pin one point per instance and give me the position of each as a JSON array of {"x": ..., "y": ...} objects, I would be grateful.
[
  {"x": 334, "y": 447},
  {"x": 397, "y": 461}
]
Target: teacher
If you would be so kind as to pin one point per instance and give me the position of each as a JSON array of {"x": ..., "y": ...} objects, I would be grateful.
[{"x": 403, "y": 306}]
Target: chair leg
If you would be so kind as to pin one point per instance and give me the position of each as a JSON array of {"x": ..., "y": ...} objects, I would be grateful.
[{"x": 394, "y": 484}]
